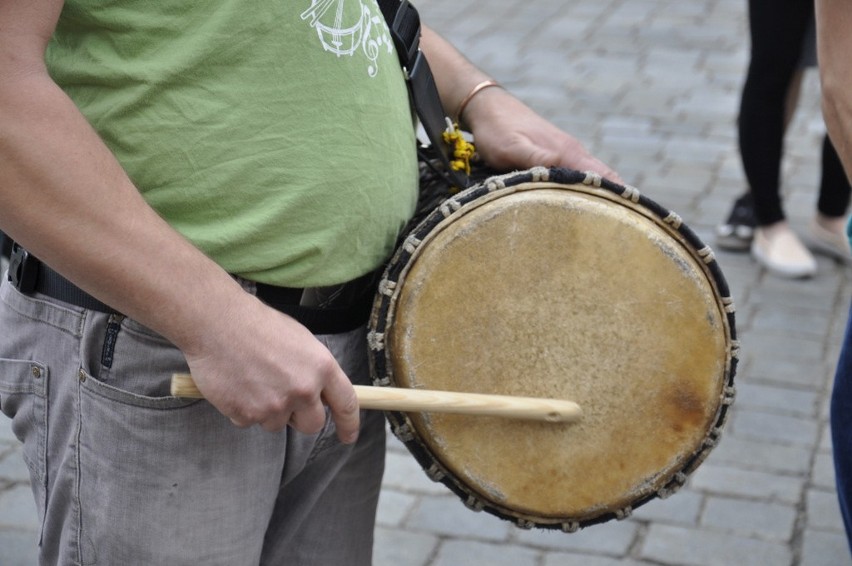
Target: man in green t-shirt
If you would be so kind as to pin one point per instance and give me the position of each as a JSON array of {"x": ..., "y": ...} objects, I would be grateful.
[{"x": 169, "y": 164}]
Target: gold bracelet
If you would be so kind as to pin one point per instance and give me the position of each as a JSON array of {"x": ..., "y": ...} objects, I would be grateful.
[{"x": 473, "y": 92}]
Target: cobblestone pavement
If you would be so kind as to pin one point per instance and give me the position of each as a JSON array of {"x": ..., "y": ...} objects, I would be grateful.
[{"x": 652, "y": 86}]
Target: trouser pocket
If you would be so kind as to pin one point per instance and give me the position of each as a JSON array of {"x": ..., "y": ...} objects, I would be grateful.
[{"x": 23, "y": 398}]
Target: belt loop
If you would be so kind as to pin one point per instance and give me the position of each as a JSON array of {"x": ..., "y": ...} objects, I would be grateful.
[
  {"x": 112, "y": 330},
  {"x": 23, "y": 269}
]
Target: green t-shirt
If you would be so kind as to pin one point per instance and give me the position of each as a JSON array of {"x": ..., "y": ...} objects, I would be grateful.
[{"x": 274, "y": 135}]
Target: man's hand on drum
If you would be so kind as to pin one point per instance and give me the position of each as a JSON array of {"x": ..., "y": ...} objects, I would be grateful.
[
  {"x": 507, "y": 133},
  {"x": 510, "y": 135}
]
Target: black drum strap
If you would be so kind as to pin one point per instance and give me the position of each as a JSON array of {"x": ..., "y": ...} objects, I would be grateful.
[{"x": 404, "y": 23}]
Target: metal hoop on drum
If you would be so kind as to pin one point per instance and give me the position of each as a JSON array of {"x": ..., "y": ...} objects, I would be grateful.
[{"x": 556, "y": 283}]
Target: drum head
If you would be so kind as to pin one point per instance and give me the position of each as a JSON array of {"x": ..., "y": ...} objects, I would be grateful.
[{"x": 539, "y": 285}]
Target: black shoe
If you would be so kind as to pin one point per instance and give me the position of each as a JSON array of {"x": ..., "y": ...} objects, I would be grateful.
[{"x": 737, "y": 232}]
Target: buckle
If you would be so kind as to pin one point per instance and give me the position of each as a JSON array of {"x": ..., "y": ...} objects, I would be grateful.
[
  {"x": 23, "y": 269},
  {"x": 405, "y": 32}
]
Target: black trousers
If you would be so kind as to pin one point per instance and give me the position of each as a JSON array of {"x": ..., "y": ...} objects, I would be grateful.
[{"x": 778, "y": 32}]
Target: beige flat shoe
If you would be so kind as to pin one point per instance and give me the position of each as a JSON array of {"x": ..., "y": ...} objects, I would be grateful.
[
  {"x": 829, "y": 243},
  {"x": 783, "y": 254}
]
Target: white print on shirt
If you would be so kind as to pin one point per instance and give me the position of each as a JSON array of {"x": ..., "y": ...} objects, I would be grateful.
[{"x": 367, "y": 34}]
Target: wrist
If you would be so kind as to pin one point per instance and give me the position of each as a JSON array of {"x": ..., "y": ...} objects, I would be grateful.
[
  {"x": 218, "y": 305},
  {"x": 472, "y": 94}
]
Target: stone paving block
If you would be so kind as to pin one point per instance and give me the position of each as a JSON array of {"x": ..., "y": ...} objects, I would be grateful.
[
  {"x": 7, "y": 437},
  {"x": 662, "y": 188},
  {"x": 394, "y": 507},
  {"x": 777, "y": 399},
  {"x": 635, "y": 125},
  {"x": 834, "y": 342},
  {"x": 767, "y": 367},
  {"x": 637, "y": 12},
  {"x": 18, "y": 548},
  {"x": 661, "y": 36},
  {"x": 586, "y": 101},
  {"x": 726, "y": 68},
  {"x": 707, "y": 214},
  {"x": 737, "y": 267},
  {"x": 806, "y": 294},
  {"x": 823, "y": 510},
  {"x": 540, "y": 98},
  {"x": 674, "y": 58},
  {"x": 393, "y": 547},
  {"x": 660, "y": 79},
  {"x": 820, "y": 548},
  {"x": 678, "y": 546},
  {"x": 730, "y": 171},
  {"x": 456, "y": 552},
  {"x": 762, "y": 425},
  {"x": 807, "y": 321},
  {"x": 689, "y": 179},
  {"x": 12, "y": 467},
  {"x": 677, "y": 125},
  {"x": 794, "y": 349},
  {"x": 636, "y": 145},
  {"x": 17, "y": 508},
  {"x": 825, "y": 407},
  {"x": 613, "y": 537},
  {"x": 631, "y": 168},
  {"x": 591, "y": 11},
  {"x": 825, "y": 438},
  {"x": 734, "y": 482},
  {"x": 681, "y": 508},
  {"x": 449, "y": 517},
  {"x": 648, "y": 104},
  {"x": 750, "y": 518},
  {"x": 565, "y": 559},
  {"x": 710, "y": 106},
  {"x": 698, "y": 152},
  {"x": 822, "y": 472},
  {"x": 761, "y": 456}
]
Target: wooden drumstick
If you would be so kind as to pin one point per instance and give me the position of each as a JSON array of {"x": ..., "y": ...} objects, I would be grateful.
[{"x": 420, "y": 400}]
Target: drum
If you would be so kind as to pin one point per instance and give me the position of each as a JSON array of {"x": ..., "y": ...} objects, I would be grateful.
[{"x": 559, "y": 284}]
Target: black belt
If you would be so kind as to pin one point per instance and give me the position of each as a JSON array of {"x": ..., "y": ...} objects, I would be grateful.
[
  {"x": 323, "y": 310},
  {"x": 5, "y": 246},
  {"x": 29, "y": 275}
]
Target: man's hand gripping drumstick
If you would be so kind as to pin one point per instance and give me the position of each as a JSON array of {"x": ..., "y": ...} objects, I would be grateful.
[{"x": 416, "y": 400}]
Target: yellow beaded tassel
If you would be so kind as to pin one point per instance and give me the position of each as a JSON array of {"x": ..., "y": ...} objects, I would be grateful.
[{"x": 462, "y": 150}]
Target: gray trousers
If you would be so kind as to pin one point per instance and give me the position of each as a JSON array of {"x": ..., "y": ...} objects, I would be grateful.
[{"x": 123, "y": 473}]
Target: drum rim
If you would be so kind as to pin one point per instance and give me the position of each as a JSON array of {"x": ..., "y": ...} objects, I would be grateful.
[{"x": 492, "y": 188}]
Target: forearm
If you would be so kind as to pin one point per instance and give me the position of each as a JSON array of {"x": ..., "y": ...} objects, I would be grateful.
[
  {"x": 834, "y": 43},
  {"x": 455, "y": 75},
  {"x": 66, "y": 198}
]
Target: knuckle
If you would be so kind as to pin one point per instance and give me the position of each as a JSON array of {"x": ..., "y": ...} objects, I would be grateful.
[
  {"x": 310, "y": 421},
  {"x": 327, "y": 365},
  {"x": 244, "y": 418},
  {"x": 302, "y": 392},
  {"x": 248, "y": 415},
  {"x": 275, "y": 406}
]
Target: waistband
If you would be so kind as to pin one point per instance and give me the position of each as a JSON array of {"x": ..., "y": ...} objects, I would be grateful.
[{"x": 322, "y": 310}]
